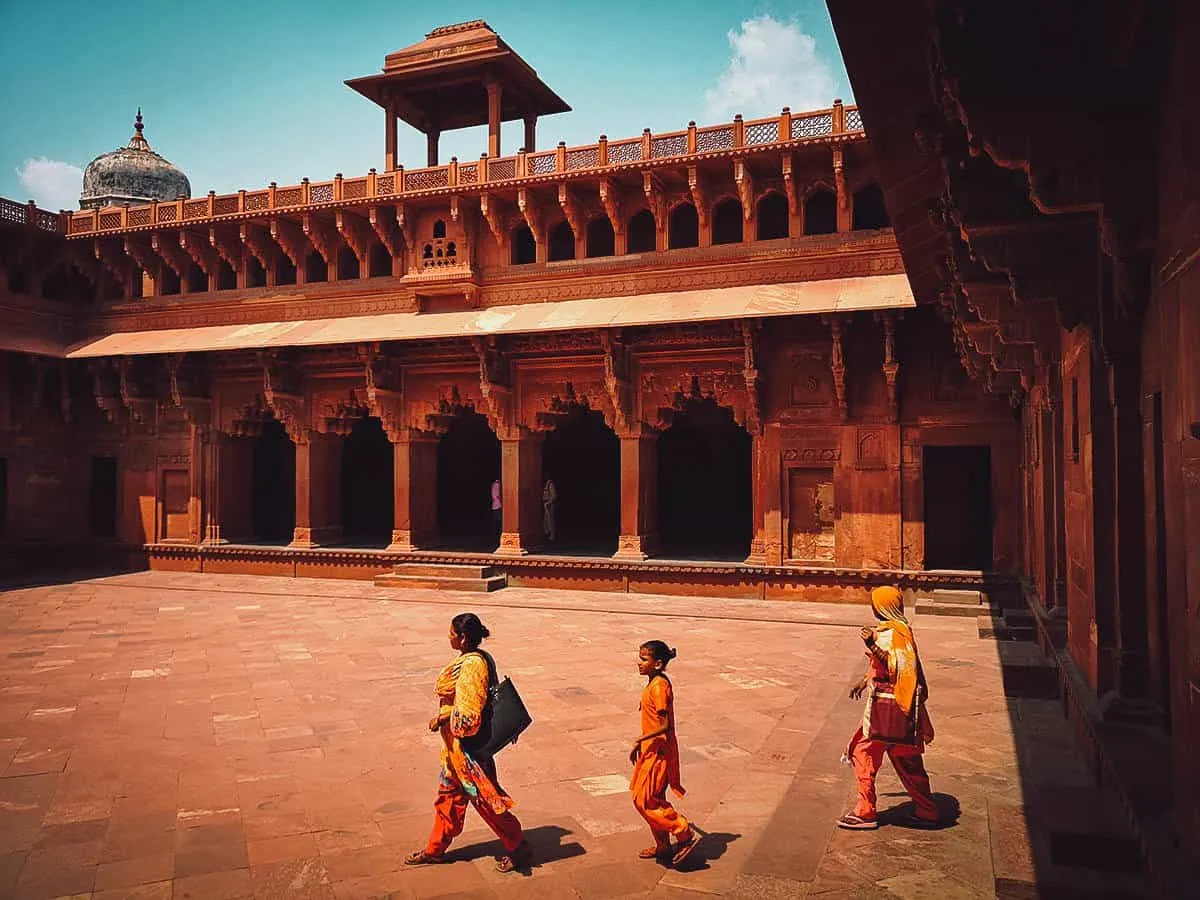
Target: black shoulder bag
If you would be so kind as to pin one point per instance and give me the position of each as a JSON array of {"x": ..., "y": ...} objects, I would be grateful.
[{"x": 503, "y": 719}]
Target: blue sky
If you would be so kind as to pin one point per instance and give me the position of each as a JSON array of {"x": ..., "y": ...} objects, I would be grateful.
[{"x": 239, "y": 94}]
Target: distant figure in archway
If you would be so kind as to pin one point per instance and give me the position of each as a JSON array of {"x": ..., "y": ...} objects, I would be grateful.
[
  {"x": 549, "y": 509},
  {"x": 497, "y": 515}
]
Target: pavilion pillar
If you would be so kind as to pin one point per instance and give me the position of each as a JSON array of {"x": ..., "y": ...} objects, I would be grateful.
[
  {"x": 232, "y": 519},
  {"x": 843, "y": 195},
  {"x": 530, "y": 133},
  {"x": 521, "y": 493},
  {"x": 494, "y": 90},
  {"x": 389, "y": 140},
  {"x": 318, "y": 490},
  {"x": 431, "y": 146},
  {"x": 764, "y": 484},
  {"x": 639, "y": 496},
  {"x": 414, "y": 486},
  {"x": 213, "y": 447}
]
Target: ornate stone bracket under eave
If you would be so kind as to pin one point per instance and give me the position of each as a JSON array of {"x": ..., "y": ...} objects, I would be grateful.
[
  {"x": 292, "y": 241},
  {"x": 188, "y": 388},
  {"x": 325, "y": 239},
  {"x": 744, "y": 179},
  {"x": 610, "y": 199},
  {"x": 837, "y": 363},
  {"x": 358, "y": 235},
  {"x": 167, "y": 246},
  {"x": 283, "y": 394},
  {"x": 699, "y": 190},
  {"x": 495, "y": 385},
  {"x": 384, "y": 390}
]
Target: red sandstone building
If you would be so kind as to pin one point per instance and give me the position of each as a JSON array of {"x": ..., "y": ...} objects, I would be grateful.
[{"x": 741, "y": 379}]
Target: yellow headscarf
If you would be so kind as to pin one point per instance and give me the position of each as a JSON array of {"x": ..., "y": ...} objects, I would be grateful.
[{"x": 902, "y": 658}]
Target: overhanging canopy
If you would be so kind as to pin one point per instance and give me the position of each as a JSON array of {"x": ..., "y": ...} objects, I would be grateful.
[{"x": 749, "y": 302}]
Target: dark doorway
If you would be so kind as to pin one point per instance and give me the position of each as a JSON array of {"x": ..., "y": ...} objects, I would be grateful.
[
  {"x": 226, "y": 277},
  {"x": 727, "y": 222},
  {"x": 820, "y": 212},
  {"x": 582, "y": 456},
  {"x": 642, "y": 236},
  {"x": 197, "y": 281},
  {"x": 379, "y": 261},
  {"x": 315, "y": 269},
  {"x": 958, "y": 507},
  {"x": 3, "y": 494},
  {"x": 102, "y": 497},
  {"x": 347, "y": 264},
  {"x": 524, "y": 247},
  {"x": 273, "y": 498},
  {"x": 562, "y": 242},
  {"x": 367, "y": 498},
  {"x": 773, "y": 221},
  {"x": 468, "y": 461},
  {"x": 600, "y": 238},
  {"x": 683, "y": 227},
  {"x": 869, "y": 209},
  {"x": 704, "y": 484}
]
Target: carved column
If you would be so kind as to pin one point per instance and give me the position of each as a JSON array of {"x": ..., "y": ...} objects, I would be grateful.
[
  {"x": 639, "y": 496},
  {"x": 414, "y": 485},
  {"x": 213, "y": 444},
  {"x": 318, "y": 489},
  {"x": 389, "y": 140},
  {"x": 493, "y": 95},
  {"x": 234, "y": 514},
  {"x": 843, "y": 196},
  {"x": 521, "y": 492},
  {"x": 530, "y": 133},
  {"x": 768, "y": 494},
  {"x": 431, "y": 146}
]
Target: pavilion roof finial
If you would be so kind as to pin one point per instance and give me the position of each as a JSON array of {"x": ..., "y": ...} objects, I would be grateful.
[{"x": 138, "y": 140}]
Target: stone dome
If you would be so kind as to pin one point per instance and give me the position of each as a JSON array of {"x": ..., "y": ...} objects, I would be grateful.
[{"x": 130, "y": 175}]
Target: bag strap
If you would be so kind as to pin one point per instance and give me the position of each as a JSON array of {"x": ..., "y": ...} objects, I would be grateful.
[{"x": 493, "y": 678}]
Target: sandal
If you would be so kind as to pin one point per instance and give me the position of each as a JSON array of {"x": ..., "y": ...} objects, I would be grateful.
[
  {"x": 684, "y": 848},
  {"x": 656, "y": 852},
  {"x": 857, "y": 823},
  {"x": 421, "y": 858},
  {"x": 516, "y": 860}
]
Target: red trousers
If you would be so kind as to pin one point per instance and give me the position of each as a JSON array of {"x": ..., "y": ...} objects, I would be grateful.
[
  {"x": 450, "y": 813},
  {"x": 867, "y": 757}
]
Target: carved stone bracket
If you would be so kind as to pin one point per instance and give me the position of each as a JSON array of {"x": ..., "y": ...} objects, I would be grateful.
[
  {"x": 891, "y": 365},
  {"x": 188, "y": 390},
  {"x": 529, "y": 211},
  {"x": 839, "y": 180},
  {"x": 745, "y": 185},
  {"x": 837, "y": 363},
  {"x": 495, "y": 386},
  {"x": 616, "y": 380},
  {"x": 106, "y": 389},
  {"x": 572, "y": 209},
  {"x": 490, "y": 209},
  {"x": 143, "y": 255},
  {"x": 291, "y": 240},
  {"x": 115, "y": 262},
  {"x": 284, "y": 396},
  {"x": 699, "y": 189},
  {"x": 139, "y": 406},
  {"x": 172, "y": 253},
  {"x": 789, "y": 184},
  {"x": 750, "y": 337},
  {"x": 385, "y": 391},
  {"x": 383, "y": 222},
  {"x": 258, "y": 241},
  {"x": 202, "y": 252},
  {"x": 610, "y": 199},
  {"x": 656, "y": 199},
  {"x": 228, "y": 248},
  {"x": 325, "y": 239},
  {"x": 359, "y": 237}
]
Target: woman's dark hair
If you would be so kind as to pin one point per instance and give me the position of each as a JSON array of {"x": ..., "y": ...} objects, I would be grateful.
[
  {"x": 660, "y": 651},
  {"x": 468, "y": 627}
]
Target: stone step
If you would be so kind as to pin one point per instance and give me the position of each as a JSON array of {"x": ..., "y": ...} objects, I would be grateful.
[
  {"x": 942, "y": 608},
  {"x": 444, "y": 570},
  {"x": 946, "y": 595},
  {"x": 996, "y": 628},
  {"x": 442, "y": 583}
]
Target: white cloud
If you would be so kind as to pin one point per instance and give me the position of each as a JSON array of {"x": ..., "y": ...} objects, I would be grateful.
[
  {"x": 52, "y": 184},
  {"x": 773, "y": 64}
]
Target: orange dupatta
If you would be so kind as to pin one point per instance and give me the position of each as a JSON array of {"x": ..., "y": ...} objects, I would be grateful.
[{"x": 903, "y": 662}]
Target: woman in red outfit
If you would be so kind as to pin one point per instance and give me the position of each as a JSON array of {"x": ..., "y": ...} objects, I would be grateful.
[
  {"x": 462, "y": 689},
  {"x": 896, "y": 685}
]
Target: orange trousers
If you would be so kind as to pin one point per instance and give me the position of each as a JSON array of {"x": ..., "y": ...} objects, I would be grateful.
[
  {"x": 649, "y": 789},
  {"x": 450, "y": 813},
  {"x": 867, "y": 757}
]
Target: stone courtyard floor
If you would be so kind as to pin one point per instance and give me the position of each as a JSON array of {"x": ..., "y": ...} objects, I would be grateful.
[{"x": 169, "y": 735}]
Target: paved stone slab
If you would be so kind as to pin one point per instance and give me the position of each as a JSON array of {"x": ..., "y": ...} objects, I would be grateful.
[{"x": 174, "y": 735}]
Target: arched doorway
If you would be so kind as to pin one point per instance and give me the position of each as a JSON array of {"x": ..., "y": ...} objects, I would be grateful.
[
  {"x": 562, "y": 242},
  {"x": 820, "y": 212},
  {"x": 468, "y": 461},
  {"x": 704, "y": 484},
  {"x": 642, "y": 234},
  {"x": 600, "y": 238},
  {"x": 727, "y": 222},
  {"x": 582, "y": 456},
  {"x": 869, "y": 209},
  {"x": 523, "y": 246},
  {"x": 683, "y": 227},
  {"x": 368, "y": 500},
  {"x": 772, "y": 217},
  {"x": 273, "y": 495}
]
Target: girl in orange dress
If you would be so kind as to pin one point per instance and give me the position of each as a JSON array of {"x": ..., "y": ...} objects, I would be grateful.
[
  {"x": 655, "y": 758},
  {"x": 462, "y": 689},
  {"x": 894, "y": 669}
]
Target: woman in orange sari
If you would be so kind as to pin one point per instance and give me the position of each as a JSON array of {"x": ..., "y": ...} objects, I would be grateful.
[
  {"x": 893, "y": 673},
  {"x": 462, "y": 689},
  {"x": 655, "y": 758}
]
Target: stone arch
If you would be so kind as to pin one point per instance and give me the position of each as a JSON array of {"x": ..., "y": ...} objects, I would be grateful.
[
  {"x": 820, "y": 210},
  {"x": 522, "y": 246},
  {"x": 601, "y": 241},
  {"x": 870, "y": 212},
  {"x": 773, "y": 220},
  {"x": 641, "y": 233},
  {"x": 683, "y": 226},
  {"x": 727, "y": 221},
  {"x": 468, "y": 461},
  {"x": 561, "y": 242}
]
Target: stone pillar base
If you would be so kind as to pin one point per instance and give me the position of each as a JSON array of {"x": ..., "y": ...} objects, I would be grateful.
[
  {"x": 511, "y": 545},
  {"x": 311, "y": 538},
  {"x": 758, "y": 554},
  {"x": 634, "y": 547}
]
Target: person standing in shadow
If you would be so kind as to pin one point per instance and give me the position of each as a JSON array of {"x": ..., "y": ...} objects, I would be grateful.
[{"x": 497, "y": 513}]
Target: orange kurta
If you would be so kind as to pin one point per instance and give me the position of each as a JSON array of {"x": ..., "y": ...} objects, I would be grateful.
[{"x": 657, "y": 766}]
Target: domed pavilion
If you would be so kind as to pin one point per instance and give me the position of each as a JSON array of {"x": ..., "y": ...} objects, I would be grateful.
[{"x": 133, "y": 174}]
